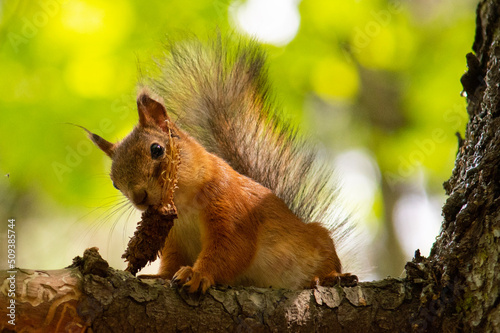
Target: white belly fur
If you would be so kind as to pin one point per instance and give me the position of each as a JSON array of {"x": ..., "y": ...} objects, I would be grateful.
[
  {"x": 275, "y": 263},
  {"x": 187, "y": 234}
]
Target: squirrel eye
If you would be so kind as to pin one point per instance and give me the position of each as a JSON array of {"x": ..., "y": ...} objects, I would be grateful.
[
  {"x": 156, "y": 151},
  {"x": 114, "y": 185}
]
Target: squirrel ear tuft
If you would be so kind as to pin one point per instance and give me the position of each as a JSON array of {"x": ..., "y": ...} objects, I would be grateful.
[
  {"x": 107, "y": 147},
  {"x": 151, "y": 112}
]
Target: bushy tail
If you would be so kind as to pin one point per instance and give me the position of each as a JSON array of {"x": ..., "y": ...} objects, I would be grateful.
[{"x": 220, "y": 94}]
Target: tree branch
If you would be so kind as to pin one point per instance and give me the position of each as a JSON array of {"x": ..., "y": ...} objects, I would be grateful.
[{"x": 107, "y": 300}]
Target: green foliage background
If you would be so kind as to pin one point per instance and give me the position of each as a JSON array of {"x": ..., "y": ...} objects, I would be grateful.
[{"x": 77, "y": 62}]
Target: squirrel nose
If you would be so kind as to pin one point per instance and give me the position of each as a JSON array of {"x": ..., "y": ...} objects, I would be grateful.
[{"x": 140, "y": 196}]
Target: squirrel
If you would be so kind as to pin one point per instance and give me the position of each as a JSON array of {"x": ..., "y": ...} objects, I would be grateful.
[{"x": 248, "y": 186}]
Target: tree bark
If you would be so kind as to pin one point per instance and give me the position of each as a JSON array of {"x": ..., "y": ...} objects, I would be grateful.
[
  {"x": 465, "y": 257},
  {"x": 92, "y": 295},
  {"x": 456, "y": 289}
]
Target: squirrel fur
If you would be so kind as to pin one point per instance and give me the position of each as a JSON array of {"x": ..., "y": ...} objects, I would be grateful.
[{"x": 248, "y": 187}]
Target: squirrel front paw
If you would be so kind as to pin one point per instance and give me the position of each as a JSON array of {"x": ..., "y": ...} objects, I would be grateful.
[{"x": 192, "y": 279}]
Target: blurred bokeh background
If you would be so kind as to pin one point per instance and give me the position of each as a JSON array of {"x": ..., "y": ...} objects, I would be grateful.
[{"x": 375, "y": 83}]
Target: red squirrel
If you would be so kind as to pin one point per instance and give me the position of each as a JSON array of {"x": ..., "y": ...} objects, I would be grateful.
[{"x": 247, "y": 185}]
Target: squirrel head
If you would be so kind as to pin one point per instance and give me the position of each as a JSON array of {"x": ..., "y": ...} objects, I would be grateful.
[{"x": 139, "y": 159}]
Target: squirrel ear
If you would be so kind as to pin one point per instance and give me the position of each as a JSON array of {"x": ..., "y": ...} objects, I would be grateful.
[
  {"x": 107, "y": 147},
  {"x": 151, "y": 112}
]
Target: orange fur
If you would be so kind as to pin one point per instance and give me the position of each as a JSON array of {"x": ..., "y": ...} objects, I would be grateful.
[{"x": 245, "y": 234}]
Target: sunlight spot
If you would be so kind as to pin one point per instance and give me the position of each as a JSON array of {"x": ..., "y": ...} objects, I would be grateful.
[
  {"x": 417, "y": 219},
  {"x": 82, "y": 17},
  {"x": 271, "y": 21},
  {"x": 359, "y": 176},
  {"x": 333, "y": 78}
]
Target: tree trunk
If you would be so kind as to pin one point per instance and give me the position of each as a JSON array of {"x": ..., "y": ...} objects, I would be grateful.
[
  {"x": 456, "y": 289},
  {"x": 465, "y": 257},
  {"x": 464, "y": 292}
]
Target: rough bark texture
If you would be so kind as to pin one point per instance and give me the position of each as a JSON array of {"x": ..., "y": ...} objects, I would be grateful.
[
  {"x": 456, "y": 289},
  {"x": 465, "y": 257},
  {"x": 91, "y": 295}
]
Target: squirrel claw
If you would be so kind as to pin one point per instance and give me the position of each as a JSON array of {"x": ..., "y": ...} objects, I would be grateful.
[
  {"x": 348, "y": 280},
  {"x": 344, "y": 280},
  {"x": 192, "y": 280}
]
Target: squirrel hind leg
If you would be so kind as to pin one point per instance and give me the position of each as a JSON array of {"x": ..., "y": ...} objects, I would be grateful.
[{"x": 334, "y": 278}]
